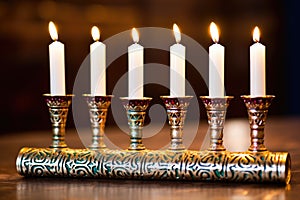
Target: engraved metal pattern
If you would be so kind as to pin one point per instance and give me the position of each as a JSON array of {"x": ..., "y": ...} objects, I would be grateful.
[
  {"x": 98, "y": 106},
  {"x": 58, "y": 110},
  {"x": 257, "y": 108},
  {"x": 136, "y": 112},
  {"x": 216, "y": 113},
  {"x": 155, "y": 164},
  {"x": 176, "y": 111}
]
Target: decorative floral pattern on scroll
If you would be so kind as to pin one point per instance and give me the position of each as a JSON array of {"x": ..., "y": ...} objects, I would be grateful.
[{"x": 186, "y": 165}]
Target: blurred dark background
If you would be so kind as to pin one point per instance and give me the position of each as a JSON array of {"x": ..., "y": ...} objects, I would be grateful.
[{"x": 24, "y": 41}]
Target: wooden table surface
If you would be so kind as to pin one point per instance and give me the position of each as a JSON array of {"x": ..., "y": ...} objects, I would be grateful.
[{"x": 282, "y": 134}]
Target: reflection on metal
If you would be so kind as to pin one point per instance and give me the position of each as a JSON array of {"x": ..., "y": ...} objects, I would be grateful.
[
  {"x": 95, "y": 189},
  {"x": 155, "y": 164},
  {"x": 215, "y": 164}
]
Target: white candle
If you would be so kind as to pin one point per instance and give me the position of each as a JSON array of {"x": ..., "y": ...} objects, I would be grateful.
[
  {"x": 135, "y": 65},
  {"x": 257, "y": 66},
  {"x": 57, "y": 63},
  {"x": 216, "y": 64},
  {"x": 177, "y": 66},
  {"x": 98, "y": 64}
]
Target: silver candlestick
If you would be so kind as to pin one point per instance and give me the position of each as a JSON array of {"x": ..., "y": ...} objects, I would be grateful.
[
  {"x": 58, "y": 110},
  {"x": 98, "y": 106},
  {"x": 216, "y": 113},
  {"x": 136, "y": 112},
  {"x": 176, "y": 111},
  {"x": 257, "y": 108}
]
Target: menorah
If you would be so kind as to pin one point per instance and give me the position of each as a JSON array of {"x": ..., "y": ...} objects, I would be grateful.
[{"x": 176, "y": 163}]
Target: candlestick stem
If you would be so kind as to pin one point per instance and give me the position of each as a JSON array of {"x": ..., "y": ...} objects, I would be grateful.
[
  {"x": 136, "y": 112},
  {"x": 216, "y": 113},
  {"x": 98, "y": 106},
  {"x": 257, "y": 108},
  {"x": 58, "y": 110}
]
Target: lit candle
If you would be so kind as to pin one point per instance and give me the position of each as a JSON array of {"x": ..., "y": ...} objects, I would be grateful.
[
  {"x": 216, "y": 64},
  {"x": 177, "y": 66},
  {"x": 57, "y": 63},
  {"x": 135, "y": 65},
  {"x": 257, "y": 66},
  {"x": 98, "y": 64}
]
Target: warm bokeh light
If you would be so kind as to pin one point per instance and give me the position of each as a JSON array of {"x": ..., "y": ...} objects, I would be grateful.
[
  {"x": 135, "y": 35},
  {"x": 53, "y": 31},
  {"x": 95, "y": 33},
  {"x": 176, "y": 32},
  {"x": 256, "y": 34},
  {"x": 214, "y": 32}
]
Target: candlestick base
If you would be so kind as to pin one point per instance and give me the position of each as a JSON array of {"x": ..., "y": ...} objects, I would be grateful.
[
  {"x": 98, "y": 106},
  {"x": 216, "y": 113},
  {"x": 58, "y": 110},
  {"x": 257, "y": 108},
  {"x": 176, "y": 110},
  {"x": 136, "y": 112}
]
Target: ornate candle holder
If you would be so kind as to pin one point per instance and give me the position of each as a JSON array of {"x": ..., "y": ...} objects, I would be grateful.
[
  {"x": 98, "y": 106},
  {"x": 58, "y": 109},
  {"x": 216, "y": 113},
  {"x": 256, "y": 165},
  {"x": 136, "y": 112},
  {"x": 257, "y": 108},
  {"x": 176, "y": 111}
]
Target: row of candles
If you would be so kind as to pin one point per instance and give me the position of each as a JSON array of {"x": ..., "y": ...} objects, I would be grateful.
[{"x": 136, "y": 61}]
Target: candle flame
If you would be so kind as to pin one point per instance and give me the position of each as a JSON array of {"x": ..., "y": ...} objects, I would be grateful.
[
  {"x": 135, "y": 35},
  {"x": 214, "y": 32},
  {"x": 256, "y": 34},
  {"x": 176, "y": 32},
  {"x": 95, "y": 33},
  {"x": 53, "y": 31}
]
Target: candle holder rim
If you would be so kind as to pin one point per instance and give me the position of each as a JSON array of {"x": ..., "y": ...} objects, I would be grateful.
[
  {"x": 179, "y": 97},
  {"x": 209, "y": 97},
  {"x": 257, "y": 96},
  {"x": 135, "y": 99},
  {"x": 50, "y": 95},
  {"x": 90, "y": 95}
]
